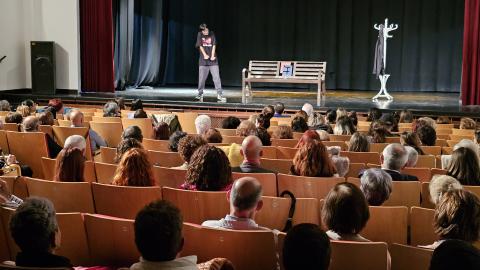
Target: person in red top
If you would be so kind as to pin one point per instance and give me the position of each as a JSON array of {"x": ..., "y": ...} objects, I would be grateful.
[{"x": 208, "y": 62}]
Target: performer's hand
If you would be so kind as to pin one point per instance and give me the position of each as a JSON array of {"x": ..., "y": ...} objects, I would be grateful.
[
  {"x": 206, "y": 57},
  {"x": 213, "y": 58}
]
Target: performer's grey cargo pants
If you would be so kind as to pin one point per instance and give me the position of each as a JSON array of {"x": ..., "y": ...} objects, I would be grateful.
[{"x": 202, "y": 77}]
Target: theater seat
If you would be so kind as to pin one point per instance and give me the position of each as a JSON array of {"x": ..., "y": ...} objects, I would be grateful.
[
  {"x": 245, "y": 249},
  {"x": 165, "y": 159},
  {"x": 156, "y": 145},
  {"x": 123, "y": 202},
  {"x": 387, "y": 224},
  {"x": 49, "y": 170},
  {"x": 29, "y": 155},
  {"x": 105, "y": 172},
  {"x": 307, "y": 187},
  {"x": 145, "y": 125},
  {"x": 358, "y": 255},
  {"x": 110, "y": 132},
  {"x": 168, "y": 177},
  {"x": 277, "y": 165},
  {"x": 410, "y": 258},
  {"x": 421, "y": 226},
  {"x": 268, "y": 181}
]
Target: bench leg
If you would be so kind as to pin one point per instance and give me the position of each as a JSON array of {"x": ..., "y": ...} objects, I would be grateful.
[
  {"x": 243, "y": 90},
  {"x": 319, "y": 94}
]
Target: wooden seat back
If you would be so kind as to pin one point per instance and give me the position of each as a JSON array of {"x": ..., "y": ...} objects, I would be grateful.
[
  {"x": 343, "y": 145},
  {"x": 187, "y": 121},
  {"x": 423, "y": 174},
  {"x": 387, "y": 224},
  {"x": 165, "y": 159},
  {"x": 236, "y": 246},
  {"x": 49, "y": 170},
  {"x": 105, "y": 172},
  {"x": 145, "y": 124},
  {"x": 108, "y": 155},
  {"x": 227, "y": 132},
  {"x": 340, "y": 138},
  {"x": 109, "y": 198},
  {"x": 410, "y": 258},
  {"x": 378, "y": 147},
  {"x": 284, "y": 142},
  {"x": 4, "y": 142},
  {"x": 426, "y": 161},
  {"x": 286, "y": 152},
  {"x": 307, "y": 187},
  {"x": 432, "y": 150},
  {"x": 110, "y": 131},
  {"x": 362, "y": 157},
  {"x": 29, "y": 155},
  {"x": 232, "y": 139},
  {"x": 277, "y": 165},
  {"x": 66, "y": 196},
  {"x": 359, "y": 255},
  {"x": 62, "y": 133},
  {"x": 421, "y": 226},
  {"x": 111, "y": 240},
  {"x": 269, "y": 152},
  {"x": 169, "y": 177},
  {"x": 268, "y": 181},
  {"x": 156, "y": 145},
  {"x": 198, "y": 206},
  {"x": 354, "y": 169},
  {"x": 426, "y": 199},
  {"x": 106, "y": 119},
  {"x": 11, "y": 127}
]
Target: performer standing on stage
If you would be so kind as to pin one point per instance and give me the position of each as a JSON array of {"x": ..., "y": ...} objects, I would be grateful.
[{"x": 208, "y": 62}]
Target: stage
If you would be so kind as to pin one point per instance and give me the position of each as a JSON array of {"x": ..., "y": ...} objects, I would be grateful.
[{"x": 434, "y": 103}]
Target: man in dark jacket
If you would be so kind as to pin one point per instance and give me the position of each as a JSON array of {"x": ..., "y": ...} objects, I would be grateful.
[{"x": 394, "y": 158}]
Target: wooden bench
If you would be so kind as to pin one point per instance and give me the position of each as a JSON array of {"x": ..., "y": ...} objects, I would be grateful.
[{"x": 270, "y": 72}]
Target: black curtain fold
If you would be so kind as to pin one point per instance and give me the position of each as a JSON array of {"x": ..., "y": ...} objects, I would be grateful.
[{"x": 425, "y": 53}]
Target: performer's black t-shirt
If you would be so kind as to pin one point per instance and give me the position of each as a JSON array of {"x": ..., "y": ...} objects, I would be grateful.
[{"x": 207, "y": 42}]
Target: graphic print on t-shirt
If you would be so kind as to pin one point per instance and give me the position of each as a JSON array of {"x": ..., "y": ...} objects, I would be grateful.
[{"x": 206, "y": 41}]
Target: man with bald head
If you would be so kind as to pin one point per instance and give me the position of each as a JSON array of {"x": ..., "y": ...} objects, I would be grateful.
[
  {"x": 31, "y": 124},
  {"x": 245, "y": 200},
  {"x": 96, "y": 141},
  {"x": 251, "y": 152}
]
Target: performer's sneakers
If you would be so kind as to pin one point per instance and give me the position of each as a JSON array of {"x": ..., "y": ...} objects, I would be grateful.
[
  {"x": 199, "y": 97},
  {"x": 221, "y": 99}
]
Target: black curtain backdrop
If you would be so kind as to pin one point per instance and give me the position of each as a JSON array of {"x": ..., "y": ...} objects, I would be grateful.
[{"x": 425, "y": 53}]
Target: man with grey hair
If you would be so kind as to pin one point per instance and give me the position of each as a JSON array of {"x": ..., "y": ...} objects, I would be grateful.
[
  {"x": 412, "y": 156},
  {"x": 245, "y": 200},
  {"x": 251, "y": 152},
  {"x": 31, "y": 124},
  {"x": 34, "y": 228},
  {"x": 5, "y": 106},
  {"x": 376, "y": 185},
  {"x": 202, "y": 124},
  {"x": 394, "y": 158}
]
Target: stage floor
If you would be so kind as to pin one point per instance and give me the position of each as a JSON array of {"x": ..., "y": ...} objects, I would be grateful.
[{"x": 425, "y": 102}]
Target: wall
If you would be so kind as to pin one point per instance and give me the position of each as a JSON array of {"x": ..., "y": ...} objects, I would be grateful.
[{"x": 40, "y": 20}]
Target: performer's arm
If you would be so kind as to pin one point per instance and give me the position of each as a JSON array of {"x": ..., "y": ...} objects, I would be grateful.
[
  {"x": 205, "y": 55},
  {"x": 213, "y": 53}
]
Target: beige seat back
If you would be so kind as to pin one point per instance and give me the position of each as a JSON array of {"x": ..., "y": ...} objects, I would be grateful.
[
  {"x": 105, "y": 172},
  {"x": 360, "y": 255},
  {"x": 145, "y": 124},
  {"x": 29, "y": 155},
  {"x": 307, "y": 187},
  {"x": 268, "y": 181},
  {"x": 387, "y": 224},
  {"x": 111, "y": 132},
  {"x": 410, "y": 258},
  {"x": 165, "y": 159}
]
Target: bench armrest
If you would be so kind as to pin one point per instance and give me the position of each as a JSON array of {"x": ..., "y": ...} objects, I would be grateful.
[{"x": 245, "y": 72}]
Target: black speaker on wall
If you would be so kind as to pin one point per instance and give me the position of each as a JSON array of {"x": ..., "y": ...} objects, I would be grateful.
[{"x": 43, "y": 67}]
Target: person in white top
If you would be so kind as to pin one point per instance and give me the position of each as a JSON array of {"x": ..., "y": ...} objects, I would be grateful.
[
  {"x": 158, "y": 236},
  {"x": 245, "y": 199}
]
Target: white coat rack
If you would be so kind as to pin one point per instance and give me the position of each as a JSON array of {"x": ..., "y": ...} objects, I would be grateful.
[{"x": 386, "y": 28}]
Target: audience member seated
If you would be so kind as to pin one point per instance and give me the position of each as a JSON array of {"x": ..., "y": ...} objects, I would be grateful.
[
  {"x": 5, "y": 106},
  {"x": 359, "y": 143},
  {"x": 245, "y": 200},
  {"x": 31, "y": 124},
  {"x": 213, "y": 136},
  {"x": 340, "y": 113},
  {"x": 56, "y": 106},
  {"x": 439, "y": 185},
  {"x": 455, "y": 254},
  {"x": 457, "y": 216},
  {"x": 251, "y": 152},
  {"x": 202, "y": 124},
  {"x": 134, "y": 169},
  {"x": 96, "y": 141},
  {"x": 313, "y": 119},
  {"x": 209, "y": 170},
  {"x": 374, "y": 114},
  {"x": 427, "y": 135},
  {"x": 342, "y": 164},
  {"x": 467, "y": 123},
  {"x": 246, "y": 128},
  {"x": 345, "y": 213},
  {"x": 14, "y": 117},
  {"x": 306, "y": 246},
  {"x": 279, "y": 108},
  {"x": 376, "y": 185},
  {"x": 158, "y": 237},
  {"x": 268, "y": 111},
  {"x": 264, "y": 136},
  {"x": 231, "y": 122},
  {"x": 424, "y": 121},
  {"x": 394, "y": 158},
  {"x": 187, "y": 146},
  {"x": 133, "y": 132},
  {"x": 378, "y": 132},
  {"x": 344, "y": 126},
  {"x": 120, "y": 102},
  {"x": 124, "y": 146},
  {"x": 406, "y": 116},
  {"x": 161, "y": 131},
  {"x": 46, "y": 118},
  {"x": 412, "y": 157},
  {"x": 70, "y": 163},
  {"x": 464, "y": 166},
  {"x": 262, "y": 121},
  {"x": 463, "y": 143},
  {"x": 389, "y": 121},
  {"x": 140, "y": 113},
  {"x": 283, "y": 132},
  {"x": 34, "y": 229},
  {"x": 111, "y": 109},
  {"x": 23, "y": 110},
  {"x": 308, "y": 136},
  {"x": 136, "y": 105},
  {"x": 353, "y": 117},
  {"x": 299, "y": 124},
  {"x": 444, "y": 120},
  {"x": 324, "y": 136},
  {"x": 331, "y": 116},
  {"x": 302, "y": 114},
  {"x": 174, "y": 139},
  {"x": 312, "y": 160},
  {"x": 411, "y": 139}
]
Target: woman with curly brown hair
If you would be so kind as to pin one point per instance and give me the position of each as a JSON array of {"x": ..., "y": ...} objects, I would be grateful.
[
  {"x": 246, "y": 128},
  {"x": 124, "y": 146},
  {"x": 209, "y": 170},
  {"x": 70, "y": 165},
  {"x": 308, "y": 136},
  {"x": 312, "y": 160},
  {"x": 378, "y": 132},
  {"x": 411, "y": 139},
  {"x": 187, "y": 146},
  {"x": 134, "y": 170},
  {"x": 283, "y": 132}
]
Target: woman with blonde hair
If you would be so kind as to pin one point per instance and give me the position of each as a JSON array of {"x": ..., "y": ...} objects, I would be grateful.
[
  {"x": 312, "y": 160},
  {"x": 134, "y": 170}
]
